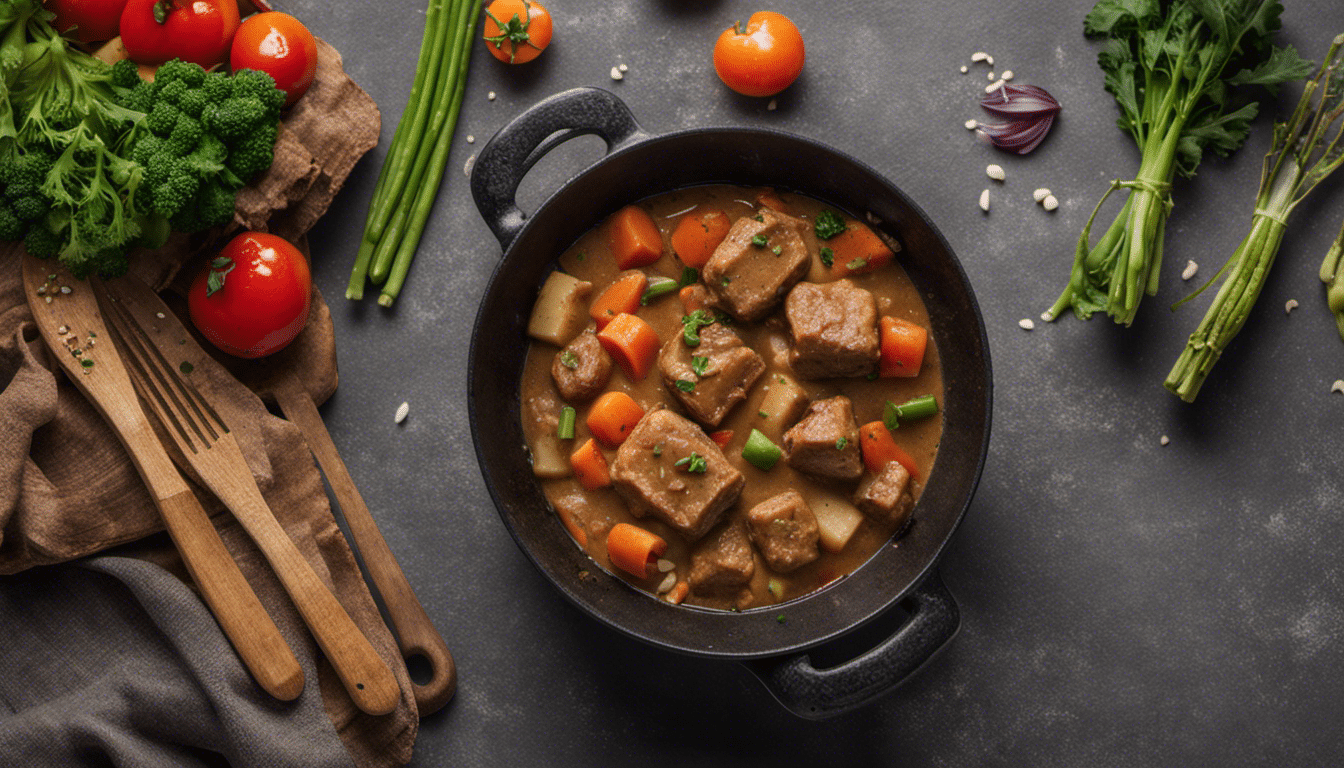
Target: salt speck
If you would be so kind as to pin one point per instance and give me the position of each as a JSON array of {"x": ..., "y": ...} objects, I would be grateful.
[
  {"x": 471, "y": 139},
  {"x": 773, "y": 105},
  {"x": 490, "y": 96},
  {"x": 623, "y": 68},
  {"x": 1165, "y": 440},
  {"x": 965, "y": 69},
  {"x": 402, "y": 411}
]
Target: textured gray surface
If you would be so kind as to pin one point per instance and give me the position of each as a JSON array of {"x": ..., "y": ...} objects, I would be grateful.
[{"x": 1123, "y": 602}]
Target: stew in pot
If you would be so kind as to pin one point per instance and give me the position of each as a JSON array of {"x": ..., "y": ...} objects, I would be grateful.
[{"x": 732, "y": 397}]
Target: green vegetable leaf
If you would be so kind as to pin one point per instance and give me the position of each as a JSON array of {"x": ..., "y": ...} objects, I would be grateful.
[
  {"x": 1283, "y": 65},
  {"x": 569, "y": 359},
  {"x": 220, "y": 268},
  {"x": 693, "y": 463},
  {"x": 828, "y": 225},
  {"x": 685, "y": 385},
  {"x": 692, "y": 323},
  {"x": 827, "y": 257},
  {"x": 699, "y": 365}
]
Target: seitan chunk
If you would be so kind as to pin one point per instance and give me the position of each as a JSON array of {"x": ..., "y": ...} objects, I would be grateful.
[
  {"x": 886, "y": 496},
  {"x": 581, "y": 370},
  {"x": 669, "y": 468},
  {"x": 760, "y": 259},
  {"x": 834, "y": 327},
  {"x": 825, "y": 442},
  {"x": 723, "y": 564},
  {"x": 728, "y": 369},
  {"x": 785, "y": 531}
]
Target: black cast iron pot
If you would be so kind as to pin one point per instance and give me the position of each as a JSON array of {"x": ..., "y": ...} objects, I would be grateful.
[{"x": 638, "y": 165}]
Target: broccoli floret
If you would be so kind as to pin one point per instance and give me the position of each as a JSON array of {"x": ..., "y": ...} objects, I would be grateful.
[
  {"x": 162, "y": 118},
  {"x": 30, "y": 207},
  {"x": 126, "y": 74},
  {"x": 177, "y": 187},
  {"x": 172, "y": 92},
  {"x": 217, "y": 87},
  {"x": 42, "y": 242},
  {"x": 145, "y": 149},
  {"x": 254, "y": 153},
  {"x": 261, "y": 86},
  {"x": 192, "y": 103},
  {"x": 234, "y": 118},
  {"x": 11, "y": 226},
  {"x": 21, "y": 178},
  {"x": 177, "y": 70},
  {"x": 211, "y": 207},
  {"x": 139, "y": 98},
  {"x": 185, "y": 137}
]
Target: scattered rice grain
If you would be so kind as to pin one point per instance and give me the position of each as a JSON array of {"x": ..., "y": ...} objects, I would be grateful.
[
  {"x": 1338, "y": 386},
  {"x": 773, "y": 105},
  {"x": 1289, "y": 306},
  {"x": 466, "y": 167},
  {"x": 971, "y": 124},
  {"x": 984, "y": 200},
  {"x": 1007, "y": 74},
  {"x": 965, "y": 69},
  {"x": 994, "y": 86},
  {"x": 665, "y": 565},
  {"x": 982, "y": 56},
  {"x": 616, "y": 73},
  {"x": 1190, "y": 269},
  {"x": 1026, "y": 324},
  {"x": 402, "y": 411},
  {"x": 623, "y": 68},
  {"x": 995, "y": 172},
  {"x": 1040, "y": 193},
  {"x": 991, "y": 77},
  {"x": 471, "y": 139},
  {"x": 1164, "y": 440},
  {"x": 668, "y": 583},
  {"x": 1050, "y": 203},
  {"x": 490, "y": 96}
]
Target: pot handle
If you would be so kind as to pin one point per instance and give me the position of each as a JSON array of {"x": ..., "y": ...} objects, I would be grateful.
[
  {"x": 817, "y": 694},
  {"x": 508, "y": 156}
]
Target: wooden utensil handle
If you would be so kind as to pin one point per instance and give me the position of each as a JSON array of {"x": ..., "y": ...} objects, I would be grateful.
[
  {"x": 416, "y": 635},
  {"x": 365, "y": 675},
  {"x": 231, "y": 599}
]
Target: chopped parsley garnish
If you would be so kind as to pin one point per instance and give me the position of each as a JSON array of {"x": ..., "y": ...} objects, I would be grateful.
[
  {"x": 692, "y": 324},
  {"x": 658, "y": 449},
  {"x": 685, "y": 385},
  {"x": 569, "y": 359},
  {"x": 780, "y": 618},
  {"x": 759, "y": 218},
  {"x": 763, "y": 414},
  {"x": 840, "y": 443},
  {"x": 858, "y": 263},
  {"x": 759, "y": 241},
  {"x": 827, "y": 257},
  {"x": 778, "y": 249},
  {"x": 693, "y": 463},
  {"x": 828, "y": 225},
  {"x": 689, "y": 275},
  {"x": 726, "y": 280},
  {"x": 699, "y": 365},
  {"x": 581, "y": 256}
]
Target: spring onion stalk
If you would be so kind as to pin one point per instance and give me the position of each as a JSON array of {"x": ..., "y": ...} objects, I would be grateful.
[
  {"x": 915, "y": 408},
  {"x": 658, "y": 286},
  {"x": 411, "y": 174},
  {"x": 1306, "y": 149},
  {"x": 564, "y": 428},
  {"x": 1172, "y": 66},
  {"x": 1330, "y": 275}
]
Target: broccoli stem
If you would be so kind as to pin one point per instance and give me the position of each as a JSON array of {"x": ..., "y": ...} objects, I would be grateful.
[{"x": 418, "y": 214}]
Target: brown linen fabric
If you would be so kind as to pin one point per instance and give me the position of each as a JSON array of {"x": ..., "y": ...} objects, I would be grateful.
[{"x": 68, "y": 488}]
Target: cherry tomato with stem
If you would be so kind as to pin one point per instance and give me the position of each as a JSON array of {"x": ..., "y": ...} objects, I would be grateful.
[
  {"x": 252, "y": 299},
  {"x": 93, "y": 21},
  {"x": 198, "y": 31},
  {"x": 517, "y": 31},
  {"x": 279, "y": 45},
  {"x": 762, "y": 57}
]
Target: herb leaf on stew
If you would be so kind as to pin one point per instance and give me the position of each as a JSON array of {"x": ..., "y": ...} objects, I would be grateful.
[
  {"x": 828, "y": 225},
  {"x": 692, "y": 324},
  {"x": 693, "y": 463}
]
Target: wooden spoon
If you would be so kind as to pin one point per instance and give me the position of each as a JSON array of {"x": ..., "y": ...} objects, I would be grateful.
[{"x": 98, "y": 372}]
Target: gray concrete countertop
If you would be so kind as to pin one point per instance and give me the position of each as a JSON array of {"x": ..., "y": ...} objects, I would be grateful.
[{"x": 1124, "y": 602}]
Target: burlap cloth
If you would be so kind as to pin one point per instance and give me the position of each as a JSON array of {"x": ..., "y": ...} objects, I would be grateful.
[{"x": 67, "y": 487}]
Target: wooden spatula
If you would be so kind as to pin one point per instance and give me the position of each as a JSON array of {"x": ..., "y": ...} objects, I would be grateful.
[{"x": 67, "y": 315}]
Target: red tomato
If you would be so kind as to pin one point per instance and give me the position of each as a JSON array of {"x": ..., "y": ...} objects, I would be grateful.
[
  {"x": 93, "y": 20},
  {"x": 760, "y": 58},
  {"x": 198, "y": 31},
  {"x": 279, "y": 45},
  {"x": 517, "y": 31},
  {"x": 252, "y": 299}
]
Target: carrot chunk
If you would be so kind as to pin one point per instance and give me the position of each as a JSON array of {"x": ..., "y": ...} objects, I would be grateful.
[
  {"x": 632, "y": 342},
  {"x": 692, "y": 297},
  {"x": 857, "y": 250},
  {"x": 590, "y": 466},
  {"x": 722, "y": 438},
  {"x": 678, "y": 592},
  {"x": 634, "y": 237},
  {"x": 633, "y": 549},
  {"x": 697, "y": 234},
  {"x": 902, "y": 348},
  {"x": 612, "y": 416},
  {"x": 880, "y": 448},
  {"x": 621, "y": 296}
]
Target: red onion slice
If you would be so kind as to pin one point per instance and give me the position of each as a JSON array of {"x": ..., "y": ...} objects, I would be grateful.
[
  {"x": 1030, "y": 111},
  {"x": 1020, "y": 136}
]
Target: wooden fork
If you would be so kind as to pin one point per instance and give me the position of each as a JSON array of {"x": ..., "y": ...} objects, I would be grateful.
[
  {"x": 210, "y": 448},
  {"x": 67, "y": 316}
]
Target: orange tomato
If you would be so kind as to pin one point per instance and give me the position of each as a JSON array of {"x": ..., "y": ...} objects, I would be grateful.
[
  {"x": 762, "y": 57},
  {"x": 517, "y": 31},
  {"x": 279, "y": 45}
]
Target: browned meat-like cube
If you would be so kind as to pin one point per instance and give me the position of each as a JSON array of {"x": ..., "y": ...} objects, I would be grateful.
[
  {"x": 581, "y": 370},
  {"x": 669, "y": 468},
  {"x": 785, "y": 531},
  {"x": 825, "y": 442},
  {"x": 727, "y": 371},
  {"x": 723, "y": 563},
  {"x": 885, "y": 496},
  {"x": 834, "y": 328},
  {"x": 756, "y": 264}
]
